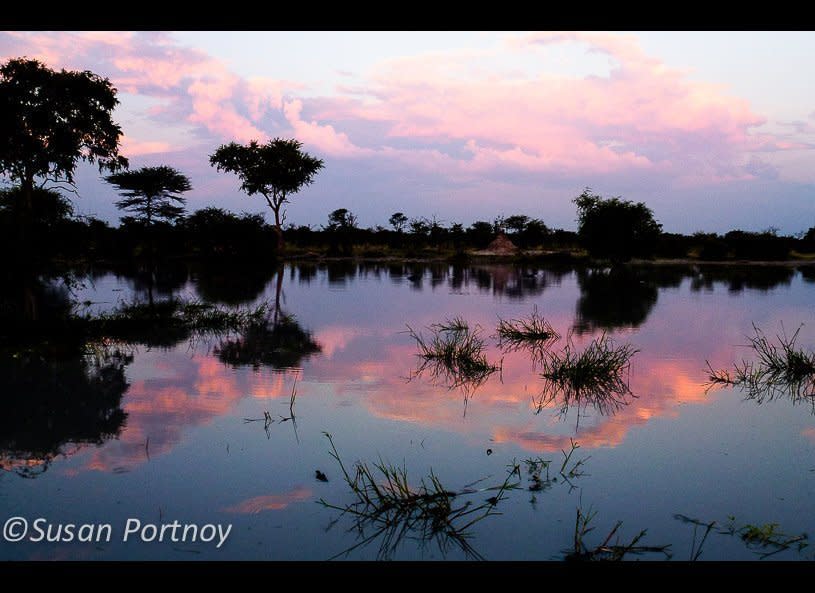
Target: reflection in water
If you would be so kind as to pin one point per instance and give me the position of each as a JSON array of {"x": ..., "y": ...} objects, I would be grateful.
[
  {"x": 151, "y": 278},
  {"x": 781, "y": 370},
  {"x": 737, "y": 278},
  {"x": 533, "y": 335},
  {"x": 280, "y": 345},
  {"x": 53, "y": 407},
  {"x": 231, "y": 284},
  {"x": 597, "y": 377},
  {"x": 270, "y": 502},
  {"x": 388, "y": 510},
  {"x": 359, "y": 380},
  {"x": 453, "y": 356},
  {"x": 613, "y": 298}
]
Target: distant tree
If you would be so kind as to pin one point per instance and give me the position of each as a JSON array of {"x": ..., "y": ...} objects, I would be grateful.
[
  {"x": 49, "y": 121},
  {"x": 216, "y": 233},
  {"x": 275, "y": 170},
  {"x": 535, "y": 232},
  {"x": 151, "y": 193},
  {"x": 398, "y": 221},
  {"x": 516, "y": 223},
  {"x": 341, "y": 218},
  {"x": 419, "y": 227},
  {"x": 341, "y": 227},
  {"x": 810, "y": 234},
  {"x": 615, "y": 228},
  {"x": 481, "y": 233}
]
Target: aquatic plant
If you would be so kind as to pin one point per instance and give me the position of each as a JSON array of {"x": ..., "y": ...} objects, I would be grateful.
[
  {"x": 607, "y": 550},
  {"x": 388, "y": 508},
  {"x": 453, "y": 354},
  {"x": 532, "y": 333},
  {"x": 569, "y": 469},
  {"x": 765, "y": 539},
  {"x": 597, "y": 376},
  {"x": 781, "y": 369}
]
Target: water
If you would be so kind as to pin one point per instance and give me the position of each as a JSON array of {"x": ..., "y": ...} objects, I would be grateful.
[{"x": 160, "y": 434}]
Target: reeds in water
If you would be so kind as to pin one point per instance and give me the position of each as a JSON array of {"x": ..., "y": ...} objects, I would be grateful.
[
  {"x": 388, "y": 508},
  {"x": 780, "y": 369},
  {"x": 596, "y": 376},
  {"x": 533, "y": 333},
  {"x": 453, "y": 354}
]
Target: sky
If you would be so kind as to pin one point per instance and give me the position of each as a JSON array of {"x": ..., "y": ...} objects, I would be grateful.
[{"x": 712, "y": 130}]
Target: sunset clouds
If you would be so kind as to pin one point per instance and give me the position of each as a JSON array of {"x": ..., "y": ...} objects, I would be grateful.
[{"x": 457, "y": 120}]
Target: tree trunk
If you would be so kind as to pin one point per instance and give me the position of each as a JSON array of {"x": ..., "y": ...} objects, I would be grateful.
[
  {"x": 278, "y": 229},
  {"x": 26, "y": 213}
]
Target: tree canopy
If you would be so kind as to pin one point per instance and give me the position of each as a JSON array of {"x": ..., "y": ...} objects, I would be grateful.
[
  {"x": 50, "y": 120},
  {"x": 398, "y": 221},
  {"x": 151, "y": 193},
  {"x": 615, "y": 228},
  {"x": 275, "y": 170}
]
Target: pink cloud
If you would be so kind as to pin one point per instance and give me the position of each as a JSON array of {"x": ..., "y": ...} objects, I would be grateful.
[
  {"x": 133, "y": 147},
  {"x": 323, "y": 137},
  {"x": 469, "y": 115},
  {"x": 193, "y": 86}
]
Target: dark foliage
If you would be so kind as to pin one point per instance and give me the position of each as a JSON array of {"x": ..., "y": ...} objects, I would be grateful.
[{"x": 615, "y": 228}]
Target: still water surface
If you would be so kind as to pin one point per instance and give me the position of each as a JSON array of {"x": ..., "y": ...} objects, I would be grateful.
[{"x": 175, "y": 443}]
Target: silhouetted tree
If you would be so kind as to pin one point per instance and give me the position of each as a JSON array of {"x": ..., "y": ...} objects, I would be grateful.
[
  {"x": 213, "y": 232},
  {"x": 341, "y": 218},
  {"x": 341, "y": 227},
  {"x": 480, "y": 233},
  {"x": 398, "y": 221},
  {"x": 49, "y": 121},
  {"x": 516, "y": 223},
  {"x": 614, "y": 227},
  {"x": 275, "y": 170},
  {"x": 151, "y": 193}
]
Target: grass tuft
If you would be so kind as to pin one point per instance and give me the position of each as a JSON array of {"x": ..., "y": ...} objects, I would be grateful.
[
  {"x": 388, "y": 508},
  {"x": 453, "y": 354},
  {"x": 533, "y": 333},
  {"x": 597, "y": 376},
  {"x": 780, "y": 369}
]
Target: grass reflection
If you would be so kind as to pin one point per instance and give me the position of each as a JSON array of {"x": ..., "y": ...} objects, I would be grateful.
[
  {"x": 388, "y": 510},
  {"x": 780, "y": 370}
]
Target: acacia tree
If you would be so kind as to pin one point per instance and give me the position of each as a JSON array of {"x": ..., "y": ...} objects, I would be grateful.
[
  {"x": 151, "y": 193},
  {"x": 275, "y": 170},
  {"x": 398, "y": 221},
  {"x": 49, "y": 121}
]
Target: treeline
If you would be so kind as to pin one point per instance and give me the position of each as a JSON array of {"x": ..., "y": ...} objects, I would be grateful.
[{"x": 215, "y": 233}]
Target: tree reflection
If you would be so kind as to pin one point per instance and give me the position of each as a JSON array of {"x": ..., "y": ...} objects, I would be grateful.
[
  {"x": 613, "y": 298},
  {"x": 52, "y": 407},
  {"x": 277, "y": 342},
  {"x": 738, "y": 278},
  {"x": 229, "y": 284}
]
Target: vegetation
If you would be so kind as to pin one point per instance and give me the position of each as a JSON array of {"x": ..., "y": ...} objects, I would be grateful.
[
  {"x": 780, "y": 369},
  {"x": 454, "y": 353},
  {"x": 49, "y": 122},
  {"x": 597, "y": 376},
  {"x": 151, "y": 194},
  {"x": 607, "y": 550},
  {"x": 533, "y": 333},
  {"x": 522, "y": 331},
  {"x": 387, "y": 508},
  {"x": 765, "y": 540},
  {"x": 276, "y": 170},
  {"x": 615, "y": 228}
]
